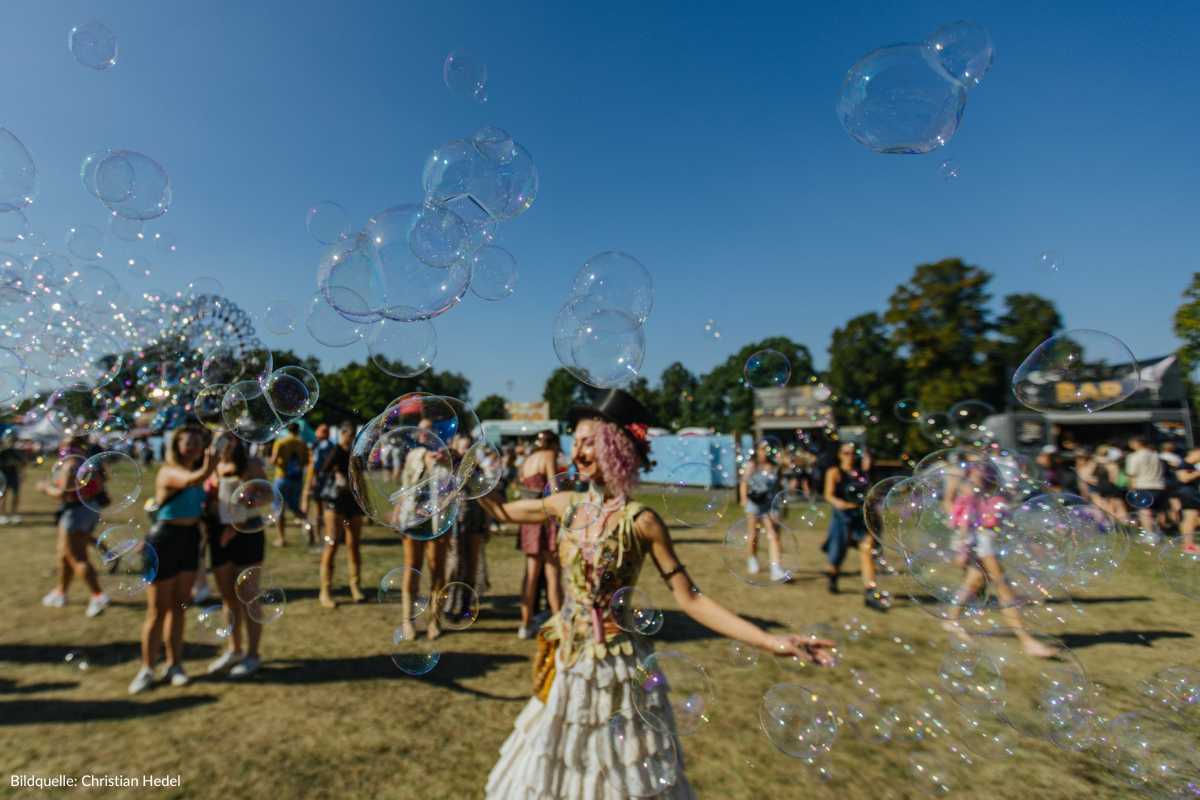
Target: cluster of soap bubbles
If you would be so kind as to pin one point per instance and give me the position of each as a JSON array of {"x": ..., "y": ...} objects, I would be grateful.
[
  {"x": 264, "y": 599},
  {"x": 131, "y": 185},
  {"x": 412, "y": 262},
  {"x": 455, "y": 607},
  {"x": 910, "y": 98},
  {"x": 964, "y": 423},
  {"x": 599, "y": 332},
  {"x": 1084, "y": 370}
]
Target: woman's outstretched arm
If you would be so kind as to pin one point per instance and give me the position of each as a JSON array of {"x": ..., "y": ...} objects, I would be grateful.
[
  {"x": 533, "y": 511},
  {"x": 712, "y": 615}
]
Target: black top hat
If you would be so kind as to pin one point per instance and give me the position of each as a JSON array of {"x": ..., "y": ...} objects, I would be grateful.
[{"x": 623, "y": 410}]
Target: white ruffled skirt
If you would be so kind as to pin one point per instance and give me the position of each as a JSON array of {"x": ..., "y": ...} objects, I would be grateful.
[{"x": 589, "y": 742}]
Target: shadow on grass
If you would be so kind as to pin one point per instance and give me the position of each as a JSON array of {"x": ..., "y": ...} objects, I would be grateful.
[
  {"x": 9, "y": 686},
  {"x": 104, "y": 655},
  {"x": 1086, "y": 601},
  {"x": 451, "y": 669},
  {"x": 679, "y": 627},
  {"x": 1146, "y": 638},
  {"x": 40, "y": 712}
]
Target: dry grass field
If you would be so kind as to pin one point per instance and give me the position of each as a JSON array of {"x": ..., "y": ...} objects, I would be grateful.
[{"x": 330, "y": 715}]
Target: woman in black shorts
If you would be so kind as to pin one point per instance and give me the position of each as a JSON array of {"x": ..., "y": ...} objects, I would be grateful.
[
  {"x": 343, "y": 518},
  {"x": 232, "y": 552},
  {"x": 179, "y": 493}
]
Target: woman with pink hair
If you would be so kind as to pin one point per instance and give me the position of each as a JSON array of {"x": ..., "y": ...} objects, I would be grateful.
[{"x": 588, "y": 670}]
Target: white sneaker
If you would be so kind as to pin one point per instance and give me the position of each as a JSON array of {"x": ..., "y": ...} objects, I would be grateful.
[
  {"x": 55, "y": 599},
  {"x": 176, "y": 676},
  {"x": 142, "y": 681},
  {"x": 201, "y": 596},
  {"x": 5, "y": 520},
  {"x": 96, "y": 605},
  {"x": 227, "y": 660},
  {"x": 245, "y": 668},
  {"x": 524, "y": 633},
  {"x": 779, "y": 574},
  {"x": 752, "y": 565}
]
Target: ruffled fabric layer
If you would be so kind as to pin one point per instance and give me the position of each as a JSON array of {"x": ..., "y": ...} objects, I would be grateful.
[{"x": 588, "y": 740}]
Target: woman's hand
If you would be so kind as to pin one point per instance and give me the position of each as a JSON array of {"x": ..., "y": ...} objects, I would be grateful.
[{"x": 816, "y": 651}]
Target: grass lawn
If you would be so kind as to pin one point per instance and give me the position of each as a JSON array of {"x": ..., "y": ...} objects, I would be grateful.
[{"x": 331, "y": 716}]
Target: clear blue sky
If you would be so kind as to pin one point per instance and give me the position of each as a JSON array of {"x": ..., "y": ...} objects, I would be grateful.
[{"x": 700, "y": 137}]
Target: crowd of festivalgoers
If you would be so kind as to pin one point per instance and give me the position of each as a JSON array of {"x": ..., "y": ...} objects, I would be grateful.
[{"x": 193, "y": 534}]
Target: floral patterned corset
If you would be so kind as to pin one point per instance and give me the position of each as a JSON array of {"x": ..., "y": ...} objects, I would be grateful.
[{"x": 597, "y": 558}]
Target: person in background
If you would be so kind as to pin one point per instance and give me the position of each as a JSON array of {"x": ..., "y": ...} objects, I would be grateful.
[
  {"x": 1188, "y": 495},
  {"x": 320, "y": 454},
  {"x": 179, "y": 493},
  {"x": 343, "y": 518},
  {"x": 11, "y": 463},
  {"x": 1145, "y": 471},
  {"x": 539, "y": 541},
  {"x": 232, "y": 552},
  {"x": 758, "y": 487},
  {"x": 846, "y": 484},
  {"x": 467, "y": 538},
  {"x": 76, "y": 524},
  {"x": 290, "y": 458}
]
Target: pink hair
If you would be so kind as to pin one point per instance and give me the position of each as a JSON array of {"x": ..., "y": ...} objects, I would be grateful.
[{"x": 618, "y": 458}]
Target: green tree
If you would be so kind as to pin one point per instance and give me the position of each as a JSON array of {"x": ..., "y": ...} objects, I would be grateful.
[
  {"x": 1187, "y": 328},
  {"x": 723, "y": 399},
  {"x": 940, "y": 323},
  {"x": 1027, "y": 321},
  {"x": 358, "y": 392},
  {"x": 677, "y": 397},
  {"x": 491, "y": 407},
  {"x": 866, "y": 375},
  {"x": 563, "y": 390}
]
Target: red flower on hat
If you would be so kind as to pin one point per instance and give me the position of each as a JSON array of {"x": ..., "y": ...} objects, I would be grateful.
[{"x": 637, "y": 430}]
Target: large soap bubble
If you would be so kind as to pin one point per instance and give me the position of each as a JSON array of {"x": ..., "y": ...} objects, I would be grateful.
[
  {"x": 133, "y": 185},
  {"x": 493, "y": 273},
  {"x": 353, "y": 264},
  {"x": 900, "y": 99},
  {"x": 616, "y": 281},
  {"x": 248, "y": 413},
  {"x": 466, "y": 75},
  {"x": 798, "y": 721},
  {"x": 331, "y": 327},
  {"x": 965, "y": 50},
  {"x": 402, "y": 349},
  {"x": 18, "y": 175},
  {"x": 608, "y": 349},
  {"x": 327, "y": 222},
  {"x": 425, "y": 291},
  {"x": 391, "y": 497},
  {"x": 1077, "y": 370},
  {"x": 93, "y": 45}
]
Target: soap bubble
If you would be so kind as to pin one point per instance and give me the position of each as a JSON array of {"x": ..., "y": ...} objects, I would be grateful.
[
  {"x": 280, "y": 318},
  {"x": 207, "y": 407},
  {"x": 1181, "y": 568},
  {"x": 798, "y": 721},
  {"x": 391, "y": 594},
  {"x": 616, "y": 281},
  {"x": 211, "y": 620},
  {"x": 741, "y": 655},
  {"x": 493, "y": 273},
  {"x": 93, "y": 45},
  {"x": 312, "y": 390},
  {"x": 948, "y": 169},
  {"x": 125, "y": 229},
  {"x": 353, "y": 264},
  {"x": 608, "y": 349},
  {"x": 164, "y": 245},
  {"x": 692, "y": 497},
  {"x": 494, "y": 144},
  {"x": 635, "y": 611},
  {"x": 267, "y": 606},
  {"x": 328, "y": 326},
  {"x": 415, "y": 656},
  {"x": 798, "y": 510},
  {"x": 254, "y": 505},
  {"x": 439, "y": 237},
  {"x": 964, "y": 49},
  {"x": 654, "y": 767},
  {"x": 1078, "y": 369},
  {"x": 767, "y": 368},
  {"x": 402, "y": 349},
  {"x": 248, "y": 583},
  {"x": 1175, "y": 689},
  {"x": 899, "y": 99},
  {"x": 478, "y": 472},
  {"x": 133, "y": 185},
  {"x": 85, "y": 242},
  {"x": 465, "y": 75},
  {"x": 248, "y": 413},
  {"x": 327, "y": 222},
  {"x": 109, "y": 482},
  {"x": 128, "y": 562},
  {"x": 427, "y": 291},
  {"x": 14, "y": 225},
  {"x": 384, "y": 496},
  {"x": 1139, "y": 498},
  {"x": 18, "y": 175},
  {"x": 481, "y": 225},
  {"x": 92, "y": 288},
  {"x": 457, "y": 606},
  {"x": 287, "y": 394},
  {"x": 669, "y": 678},
  {"x": 1049, "y": 261}
]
